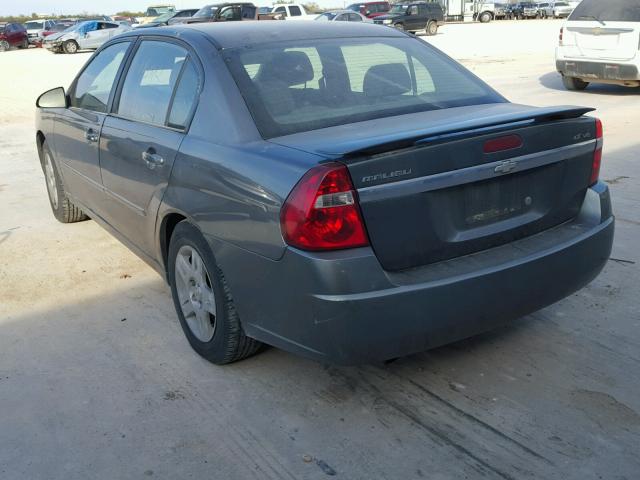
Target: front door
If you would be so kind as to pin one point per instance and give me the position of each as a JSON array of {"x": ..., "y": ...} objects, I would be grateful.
[
  {"x": 140, "y": 140},
  {"x": 95, "y": 37},
  {"x": 77, "y": 131}
]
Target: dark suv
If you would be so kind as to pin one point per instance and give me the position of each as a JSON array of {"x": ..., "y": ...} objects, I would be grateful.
[
  {"x": 414, "y": 16},
  {"x": 370, "y": 9}
]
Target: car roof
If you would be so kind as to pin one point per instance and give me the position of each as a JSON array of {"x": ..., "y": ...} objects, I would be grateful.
[{"x": 244, "y": 34}]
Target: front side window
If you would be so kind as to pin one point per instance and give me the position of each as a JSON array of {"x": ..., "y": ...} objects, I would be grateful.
[
  {"x": 150, "y": 81},
  {"x": 296, "y": 86},
  {"x": 94, "y": 85}
]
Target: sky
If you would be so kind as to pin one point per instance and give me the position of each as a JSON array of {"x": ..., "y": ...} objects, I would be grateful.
[{"x": 63, "y": 7}]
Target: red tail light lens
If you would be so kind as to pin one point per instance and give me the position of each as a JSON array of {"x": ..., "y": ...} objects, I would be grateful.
[
  {"x": 501, "y": 144},
  {"x": 597, "y": 155},
  {"x": 322, "y": 213}
]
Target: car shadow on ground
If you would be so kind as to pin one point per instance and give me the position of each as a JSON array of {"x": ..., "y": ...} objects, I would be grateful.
[{"x": 553, "y": 81}]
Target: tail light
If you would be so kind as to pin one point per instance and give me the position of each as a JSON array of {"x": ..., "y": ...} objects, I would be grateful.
[
  {"x": 46, "y": 33},
  {"x": 597, "y": 155},
  {"x": 322, "y": 212},
  {"x": 561, "y": 35}
]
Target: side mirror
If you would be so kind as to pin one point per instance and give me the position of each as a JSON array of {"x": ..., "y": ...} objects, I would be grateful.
[{"x": 55, "y": 98}]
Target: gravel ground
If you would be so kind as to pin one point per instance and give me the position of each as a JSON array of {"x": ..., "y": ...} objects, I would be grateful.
[{"x": 97, "y": 381}]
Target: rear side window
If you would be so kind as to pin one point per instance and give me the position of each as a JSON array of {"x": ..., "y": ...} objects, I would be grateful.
[
  {"x": 150, "y": 81},
  {"x": 295, "y": 11},
  {"x": 186, "y": 95},
  {"x": 94, "y": 85},
  {"x": 607, "y": 11},
  {"x": 294, "y": 86}
]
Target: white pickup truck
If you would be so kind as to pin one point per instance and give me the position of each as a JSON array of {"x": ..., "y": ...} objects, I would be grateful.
[{"x": 293, "y": 11}]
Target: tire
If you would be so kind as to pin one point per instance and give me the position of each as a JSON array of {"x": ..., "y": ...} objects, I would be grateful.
[
  {"x": 24, "y": 44},
  {"x": 574, "y": 84},
  {"x": 485, "y": 17},
  {"x": 399, "y": 26},
  {"x": 63, "y": 209},
  {"x": 4, "y": 46},
  {"x": 432, "y": 28},
  {"x": 219, "y": 337},
  {"x": 70, "y": 46}
]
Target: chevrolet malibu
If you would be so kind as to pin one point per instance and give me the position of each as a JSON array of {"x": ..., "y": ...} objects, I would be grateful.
[{"x": 342, "y": 191}]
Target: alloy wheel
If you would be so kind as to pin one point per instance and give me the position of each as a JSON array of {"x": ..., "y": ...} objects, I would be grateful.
[
  {"x": 195, "y": 293},
  {"x": 52, "y": 186}
]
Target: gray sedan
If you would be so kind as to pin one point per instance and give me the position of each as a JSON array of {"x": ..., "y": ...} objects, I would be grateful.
[
  {"x": 343, "y": 16},
  {"x": 345, "y": 192},
  {"x": 87, "y": 35}
]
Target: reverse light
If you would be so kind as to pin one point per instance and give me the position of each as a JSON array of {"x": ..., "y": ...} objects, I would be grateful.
[
  {"x": 322, "y": 212},
  {"x": 597, "y": 154}
]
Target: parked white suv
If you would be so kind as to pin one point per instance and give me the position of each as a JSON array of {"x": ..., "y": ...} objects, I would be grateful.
[
  {"x": 293, "y": 11},
  {"x": 600, "y": 43}
]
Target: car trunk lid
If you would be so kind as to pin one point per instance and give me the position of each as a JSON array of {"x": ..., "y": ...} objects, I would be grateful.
[{"x": 437, "y": 192}]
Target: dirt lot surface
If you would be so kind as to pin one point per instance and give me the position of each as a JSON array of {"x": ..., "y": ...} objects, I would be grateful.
[{"x": 98, "y": 382}]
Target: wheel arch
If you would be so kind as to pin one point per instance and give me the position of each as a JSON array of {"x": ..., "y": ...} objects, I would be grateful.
[
  {"x": 167, "y": 226},
  {"x": 40, "y": 138}
]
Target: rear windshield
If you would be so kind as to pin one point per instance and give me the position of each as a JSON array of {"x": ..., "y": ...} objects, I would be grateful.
[
  {"x": 296, "y": 87},
  {"x": 607, "y": 11},
  {"x": 34, "y": 25}
]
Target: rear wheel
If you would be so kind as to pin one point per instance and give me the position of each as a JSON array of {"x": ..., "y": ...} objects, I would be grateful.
[
  {"x": 432, "y": 28},
  {"x": 485, "y": 17},
  {"x": 574, "y": 84},
  {"x": 63, "y": 209},
  {"x": 70, "y": 46},
  {"x": 203, "y": 300},
  {"x": 4, "y": 46}
]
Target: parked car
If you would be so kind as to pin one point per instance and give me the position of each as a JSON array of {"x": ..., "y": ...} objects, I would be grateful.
[
  {"x": 343, "y": 16},
  {"x": 154, "y": 11},
  {"x": 370, "y": 9},
  {"x": 502, "y": 11},
  {"x": 83, "y": 36},
  {"x": 171, "y": 18},
  {"x": 275, "y": 182},
  {"x": 561, "y": 9},
  {"x": 523, "y": 11},
  {"x": 130, "y": 20},
  {"x": 37, "y": 30},
  {"x": 413, "y": 17},
  {"x": 13, "y": 35},
  {"x": 293, "y": 11},
  {"x": 599, "y": 44},
  {"x": 227, "y": 12}
]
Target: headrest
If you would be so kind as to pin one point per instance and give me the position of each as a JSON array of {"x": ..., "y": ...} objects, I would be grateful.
[
  {"x": 387, "y": 80},
  {"x": 291, "y": 68}
]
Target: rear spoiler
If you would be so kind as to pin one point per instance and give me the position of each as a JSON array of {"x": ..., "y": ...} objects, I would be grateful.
[{"x": 472, "y": 126}]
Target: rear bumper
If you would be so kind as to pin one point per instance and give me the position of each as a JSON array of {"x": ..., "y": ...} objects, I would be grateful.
[
  {"x": 342, "y": 307},
  {"x": 589, "y": 70}
]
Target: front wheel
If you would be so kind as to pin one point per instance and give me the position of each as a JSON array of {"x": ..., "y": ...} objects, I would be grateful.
[
  {"x": 203, "y": 300},
  {"x": 70, "y": 46},
  {"x": 432, "y": 28},
  {"x": 574, "y": 84},
  {"x": 485, "y": 17},
  {"x": 63, "y": 209},
  {"x": 24, "y": 44},
  {"x": 399, "y": 26},
  {"x": 4, "y": 46}
]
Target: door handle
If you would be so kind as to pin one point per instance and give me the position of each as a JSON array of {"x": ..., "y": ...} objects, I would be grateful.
[
  {"x": 91, "y": 135},
  {"x": 152, "y": 159}
]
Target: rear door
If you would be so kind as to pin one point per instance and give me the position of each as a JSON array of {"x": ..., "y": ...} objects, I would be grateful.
[
  {"x": 140, "y": 139},
  {"x": 603, "y": 30},
  {"x": 77, "y": 129}
]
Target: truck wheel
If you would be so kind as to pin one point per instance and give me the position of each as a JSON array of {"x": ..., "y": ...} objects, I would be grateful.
[
  {"x": 399, "y": 26},
  {"x": 574, "y": 84},
  {"x": 70, "y": 46},
  {"x": 432, "y": 28},
  {"x": 485, "y": 17},
  {"x": 4, "y": 46},
  {"x": 63, "y": 209},
  {"x": 203, "y": 300}
]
